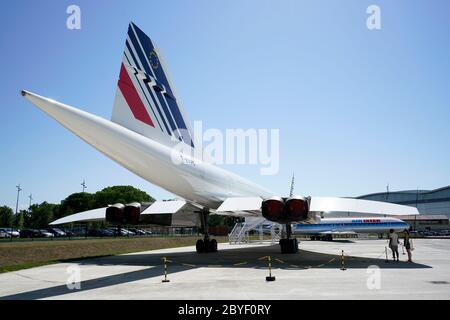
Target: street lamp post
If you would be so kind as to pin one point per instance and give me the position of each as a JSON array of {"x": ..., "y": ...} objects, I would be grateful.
[
  {"x": 17, "y": 209},
  {"x": 83, "y": 184}
]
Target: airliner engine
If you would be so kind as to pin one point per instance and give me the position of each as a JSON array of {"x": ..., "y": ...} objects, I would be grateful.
[
  {"x": 132, "y": 213},
  {"x": 293, "y": 209},
  {"x": 114, "y": 213},
  {"x": 272, "y": 208},
  {"x": 124, "y": 214}
]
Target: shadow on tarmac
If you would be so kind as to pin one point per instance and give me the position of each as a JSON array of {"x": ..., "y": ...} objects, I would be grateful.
[{"x": 249, "y": 258}]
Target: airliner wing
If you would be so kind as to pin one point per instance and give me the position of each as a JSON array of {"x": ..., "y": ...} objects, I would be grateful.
[
  {"x": 242, "y": 206},
  {"x": 330, "y": 204},
  {"x": 85, "y": 216},
  {"x": 165, "y": 213}
]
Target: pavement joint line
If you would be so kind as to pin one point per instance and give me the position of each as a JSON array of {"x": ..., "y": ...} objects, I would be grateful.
[
  {"x": 31, "y": 278},
  {"x": 240, "y": 263},
  {"x": 189, "y": 265},
  {"x": 279, "y": 260}
]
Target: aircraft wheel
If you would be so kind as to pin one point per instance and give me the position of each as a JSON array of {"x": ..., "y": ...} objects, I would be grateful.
[
  {"x": 213, "y": 245},
  {"x": 283, "y": 245},
  {"x": 200, "y": 246},
  {"x": 289, "y": 245}
]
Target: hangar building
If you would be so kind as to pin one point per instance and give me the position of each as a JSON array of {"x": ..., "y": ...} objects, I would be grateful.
[{"x": 433, "y": 205}]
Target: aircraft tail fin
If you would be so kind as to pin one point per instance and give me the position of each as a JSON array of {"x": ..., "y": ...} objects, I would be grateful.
[{"x": 145, "y": 100}]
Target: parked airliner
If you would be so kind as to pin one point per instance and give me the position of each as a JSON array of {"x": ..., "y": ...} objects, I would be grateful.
[
  {"x": 326, "y": 228},
  {"x": 148, "y": 123}
]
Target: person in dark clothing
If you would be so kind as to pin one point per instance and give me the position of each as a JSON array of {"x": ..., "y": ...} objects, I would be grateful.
[
  {"x": 407, "y": 243},
  {"x": 393, "y": 244}
]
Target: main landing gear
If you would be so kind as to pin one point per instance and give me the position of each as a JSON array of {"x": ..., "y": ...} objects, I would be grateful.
[
  {"x": 287, "y": 244},
  {"x": 206, "y": 244}
]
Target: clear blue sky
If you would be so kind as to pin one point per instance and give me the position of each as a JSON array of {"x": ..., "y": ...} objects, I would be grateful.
[{"x": 357, "y": 109}]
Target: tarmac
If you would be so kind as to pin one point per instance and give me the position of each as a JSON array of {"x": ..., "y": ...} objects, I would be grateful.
[{"x": 239, "y": 272}]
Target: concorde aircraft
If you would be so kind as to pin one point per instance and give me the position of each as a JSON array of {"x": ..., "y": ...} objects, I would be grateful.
[{"x": 148, "y": 123}]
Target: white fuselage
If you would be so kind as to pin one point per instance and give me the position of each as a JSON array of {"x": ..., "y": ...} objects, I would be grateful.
[
  {"x": 342, "y": 225},
  {"x": 192, "y": 179}
]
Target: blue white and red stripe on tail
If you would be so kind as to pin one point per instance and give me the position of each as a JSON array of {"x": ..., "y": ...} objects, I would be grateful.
[{"x": 145, "y": 101}]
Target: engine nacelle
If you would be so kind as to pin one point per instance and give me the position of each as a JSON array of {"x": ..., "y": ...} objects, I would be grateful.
[
  {"x": 296, "y": 208},
  {"x": 115, "y": 213},
  {"x": 293, "y": 209},
  {"x": 123, "y": 214},
  {"x": 132, "y": 213},
  {"x": 272, "y": 209}
]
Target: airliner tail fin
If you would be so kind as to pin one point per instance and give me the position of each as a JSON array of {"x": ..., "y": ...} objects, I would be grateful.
[{"x": 145, "y": 100}]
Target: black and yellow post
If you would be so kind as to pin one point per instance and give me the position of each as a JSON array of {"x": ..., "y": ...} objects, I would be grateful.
[
  {"x": 342, "y": 262},
  {"x": 270, "y": 277},
  {"x": 165, "y": 270}
]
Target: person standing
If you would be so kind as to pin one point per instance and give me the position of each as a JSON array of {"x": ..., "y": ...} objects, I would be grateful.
[
  {"x": 393, "y": 244},
  {"x": 407, "y": 244}
]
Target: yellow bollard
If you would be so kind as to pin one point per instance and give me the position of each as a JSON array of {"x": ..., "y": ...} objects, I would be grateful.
[
  {"x": 270, "y": 277},
  {"x": 342, "y": 262},
  {"x": 165, "y": 271}
]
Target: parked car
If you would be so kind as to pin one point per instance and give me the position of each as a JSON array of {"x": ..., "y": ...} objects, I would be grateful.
[
  {"x": 100, "y": 233},
  {"x": 69, "y": 233},
  {"x": 29, "y": 233},
  {"x": 45, "y": 234},
  {"x": 77, "y": 232},
  {"x": 138, "y": 232},
  {"x": 415, "y": 233},
  {"x": 11, "y": 232},
  {"x": 4, "y": 234},
  {"x": 57, "y": 232},
  {"x": 128, "y": 232},
  {"x": 444, "y": 232},
  {"x": 123, "y": 232}
]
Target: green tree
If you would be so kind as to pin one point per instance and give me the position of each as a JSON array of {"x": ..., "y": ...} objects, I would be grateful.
[
  {"x": 6, "y": 216},
  {"x": 19, "y": 219},
  {"x": 120, "y": 194},
  {"x": 42, "y": 214},
  {"x": 27, "y": 218},
  {"x": 76, "y": 202}
]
